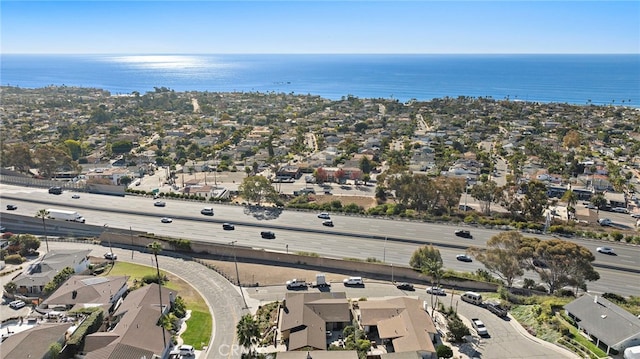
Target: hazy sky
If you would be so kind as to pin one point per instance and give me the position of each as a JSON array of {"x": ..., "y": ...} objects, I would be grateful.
[{"x": 305, "y": 26}]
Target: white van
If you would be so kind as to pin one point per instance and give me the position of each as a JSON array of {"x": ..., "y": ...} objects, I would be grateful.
[{"x": 472, "y": 297}]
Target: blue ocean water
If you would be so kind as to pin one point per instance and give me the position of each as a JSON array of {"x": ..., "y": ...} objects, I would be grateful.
[{"x": 575, "y": 79}]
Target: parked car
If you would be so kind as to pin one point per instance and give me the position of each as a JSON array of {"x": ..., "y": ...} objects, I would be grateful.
[
  {"x": 12, "y": 207},
  {"x": 207, "y": 211},
  {"x": 353, "y": 281},
  {"x": 268, "y": 235},
  {"x": 479, "y": 327},
  {"x": 436, "y": 291},
  {"x": 228, "y": 226},
  {"x": 620, "y": 210},
  {"x": 110, "y": 256},
  {"x": 463, "y": 233},
  {"x": 159, "y": 204},
  {"x": 324, "y": 215},
  {"x": 496, "y": 309},
  {"x": 328, "y": 223},
  {"x": 635, "y": 215},
  {"x": 17, "y": 304},
  {"x": 166, "y": 220},
  {"x": 605, "y": 250},
  {"x": 464, "y": 258},
  {"x": 604, "y": 222},
  {"x": 405, "y": 286}
]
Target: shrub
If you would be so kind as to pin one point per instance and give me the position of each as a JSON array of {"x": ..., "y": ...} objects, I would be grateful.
[
  {"x": 444, "y": 351},
  {"x": 14, "y": 259}
]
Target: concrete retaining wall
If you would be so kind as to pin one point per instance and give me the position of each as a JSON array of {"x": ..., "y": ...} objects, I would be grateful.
[{"x": 226, "y": 252}]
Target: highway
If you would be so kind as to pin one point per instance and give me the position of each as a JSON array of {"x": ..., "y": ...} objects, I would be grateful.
[{"x": 391, "y": 241}]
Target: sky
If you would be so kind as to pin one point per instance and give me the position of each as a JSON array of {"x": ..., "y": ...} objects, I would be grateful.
[{"x": 332, "y": 27}]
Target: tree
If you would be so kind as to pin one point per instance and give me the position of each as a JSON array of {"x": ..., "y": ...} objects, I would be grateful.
[
  {"x": 444, "y": 351},
  {"x": 28, "y": 243},
  {"x": 156, "y": 247},
  {"x": 429, "y": 261},
  {"x": 17, "y": 155},
  {"x": 565, "y": 262},
  {"x": 75, "y": 149},
  {"x": 599, "y": 201},
  {"x": 571, "y": 139},
  {"x": 43, "y": 213},
  {"x": 248, "y": 331},
  {"x": 125, "y": 180},
  {"x": 365, "y": 165},
  {"x": 535, "y": 200},
  {"x": 257, "y": 189},
  {"x": 486, "y": 193},
  {"x": 54, "y": 350},
  {"x": 510, "y": 200},
  {"x": 501, "y": 256}
]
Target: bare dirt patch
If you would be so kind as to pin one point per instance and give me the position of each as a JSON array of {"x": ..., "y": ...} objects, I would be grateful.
[{"x": 362, "y": 201}]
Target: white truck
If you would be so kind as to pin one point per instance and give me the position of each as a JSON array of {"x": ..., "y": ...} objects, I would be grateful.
[
  {"x": 64, "y": 215},
  {"x": 321, "y": 281},
  {"x": 296, "y": 284}
]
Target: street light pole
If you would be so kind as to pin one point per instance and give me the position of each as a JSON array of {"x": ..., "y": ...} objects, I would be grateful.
[
  {"x": 384, "y": 251},
  {"x": 235, "y": 260},
  {"x": 466, "y": 189}
]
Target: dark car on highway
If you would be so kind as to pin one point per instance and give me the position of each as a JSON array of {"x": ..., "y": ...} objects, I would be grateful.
[
  {"x": 12, "y": 207},
  {"x": 405, "y": 286},
  {"x": 463, "y": 233},
  {"x": 268, "y": 235},
  {"x": 228, "y": 227}
]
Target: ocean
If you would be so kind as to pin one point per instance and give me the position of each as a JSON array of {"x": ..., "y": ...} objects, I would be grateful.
[{"x": 574, "y": 79}]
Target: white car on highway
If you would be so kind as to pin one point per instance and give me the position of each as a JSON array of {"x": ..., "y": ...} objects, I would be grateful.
[{"x": 605, "y": 250}]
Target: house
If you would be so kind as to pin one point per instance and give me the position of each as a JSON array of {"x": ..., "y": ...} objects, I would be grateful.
[
  {"x": 34, "y": 342},
  {"x": 133, "y": 331},
  {"x": 31, "y": 282},
  {"x": 112, "y": 174},
  {"x": 402, "y": 321},
  {"x": 605, "y": 322},
  {"x": 306, "y": 318},
  {"x": 81, "y": 291},
  {"x": 319, "y": 354}
]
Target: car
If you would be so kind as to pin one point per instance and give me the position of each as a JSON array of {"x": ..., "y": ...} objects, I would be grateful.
[
  {"x": 436, "y": 291},
  {"x": 268, "y": 235},
  {"x": 75, "y": 196},
  {"x": 463, "y": 233},
  {"x": 537, "y": 262},
  {"x": 635, "y": 215},
  {"x": 479, "y": 327},
  {"x": 328, "y": 223},
  {"x": 17, "y": 304},
  {"x": 324, "y": 215},
  {"x": 604, "y": 222},
  {"x": 605, "y": 250},
  {"x": 12, "y": 207},
  {"x": 55, "y": 190},
  {"x": 159, "y": 204},
  {"x": 228, "y": 226},
  {"x": 110, "y": 256},
  {"x": 405, "y": 286},
  {"x": 496, "y": 309},
  {"x": 464, "y": 258},
  {"x": 207, "y": 211},
  {"x": 186, "y": 350},
  {"x": 620, "y": 210},
  {"x": 353, "y": 281},
  {"x": 166, "y": 220}
]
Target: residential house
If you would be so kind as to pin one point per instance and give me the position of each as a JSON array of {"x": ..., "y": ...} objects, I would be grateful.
[
  {"x": 605, "y": 322},
  {"x": 112, "y": 174},
  {"x": 34, "y": 342},
  {"x": 402, "y": 321},
  {"x": 82, "y": 291},
  {"x": 133, "y": 331},
  {"x": 32, "y": 281},
  {"x": 319, "y": 354},
  {"x": 306, "y": 317}
]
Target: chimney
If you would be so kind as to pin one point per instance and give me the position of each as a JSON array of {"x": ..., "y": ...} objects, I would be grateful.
[{"x": 595, "y": 299}]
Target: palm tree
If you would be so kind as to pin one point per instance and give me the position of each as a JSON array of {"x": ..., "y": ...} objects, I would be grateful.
[
  {"x": 248, "y": 331},
  {"x": 156, "y": 247},
  {"x": 43, "y": 213}
]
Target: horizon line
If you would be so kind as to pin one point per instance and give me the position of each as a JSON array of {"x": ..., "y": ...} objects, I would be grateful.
[{"x": 315, "y": 53}]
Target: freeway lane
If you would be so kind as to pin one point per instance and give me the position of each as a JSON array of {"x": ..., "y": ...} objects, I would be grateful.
[{"x": 352, "y": 237}]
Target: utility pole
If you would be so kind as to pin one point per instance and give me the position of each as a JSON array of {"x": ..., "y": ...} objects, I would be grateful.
[
  {"x": 131, "y": 235},
  {"x": 235, "y": 260},
  {"x": 384, "y": 251}
]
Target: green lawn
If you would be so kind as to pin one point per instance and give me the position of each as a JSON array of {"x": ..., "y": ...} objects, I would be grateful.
[{"x": 198, "y": 331}]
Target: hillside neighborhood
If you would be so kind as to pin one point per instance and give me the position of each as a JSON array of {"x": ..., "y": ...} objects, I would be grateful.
[{"x": 525, "y": 166}]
